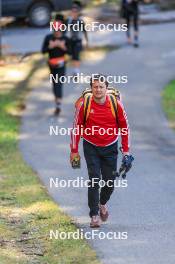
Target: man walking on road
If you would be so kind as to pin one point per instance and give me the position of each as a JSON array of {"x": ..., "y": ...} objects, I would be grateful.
[
  {"x": 75, "y": 34},
  {"x": 130, "y": 10},
  {"x": 100, "y": 149}
]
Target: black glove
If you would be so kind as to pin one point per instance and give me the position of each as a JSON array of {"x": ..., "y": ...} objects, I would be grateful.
[{"x": 126, "y": 165}]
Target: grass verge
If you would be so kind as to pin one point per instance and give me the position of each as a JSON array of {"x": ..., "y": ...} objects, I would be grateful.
[
  {"x": 168, "y": 96},
  {"x": 27, "y": 213}
]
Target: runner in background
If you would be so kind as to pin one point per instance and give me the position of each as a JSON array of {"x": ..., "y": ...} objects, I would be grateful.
[
  {"x": 130, "y": 11},
  {"x": 76, "y": 36},
  {"x": 56, "y": 46}
]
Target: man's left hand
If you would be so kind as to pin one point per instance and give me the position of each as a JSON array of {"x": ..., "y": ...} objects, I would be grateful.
[{"x": 126, "y": 164}]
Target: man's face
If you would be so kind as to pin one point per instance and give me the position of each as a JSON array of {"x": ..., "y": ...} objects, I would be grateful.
[
  {"x": 58, "y": 34},
  {"x": 74, "y": 13},
  {"x": 99, "y": 89}
]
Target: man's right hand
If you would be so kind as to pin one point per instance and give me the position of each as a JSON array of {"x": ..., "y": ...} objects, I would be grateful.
[
  {"x": 74, "y": 157},
  {"x": 61, "y": 44},
  {"x": 52, "y": 44}
]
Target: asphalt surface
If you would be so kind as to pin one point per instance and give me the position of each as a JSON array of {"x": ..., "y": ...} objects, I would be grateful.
[
  {"x": 23, "y": 39},
  {"x": 28, "y": 40},
  {"x": 145, "y": 209}
]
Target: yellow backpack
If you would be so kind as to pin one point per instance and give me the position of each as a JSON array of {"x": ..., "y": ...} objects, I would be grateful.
[{"x": 86, "y": 97}]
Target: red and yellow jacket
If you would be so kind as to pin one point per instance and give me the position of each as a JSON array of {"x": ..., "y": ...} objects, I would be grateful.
[{"x": 99, "y": 127}]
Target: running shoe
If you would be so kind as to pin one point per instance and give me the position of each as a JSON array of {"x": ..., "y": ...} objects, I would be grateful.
[
  {"x": 104, "y": 214},
  {"x": 57, "y": 111},
  {"x": 95, "y": 221}
]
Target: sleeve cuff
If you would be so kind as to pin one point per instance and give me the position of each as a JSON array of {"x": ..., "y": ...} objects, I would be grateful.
[{"x": 74, "y": 150}]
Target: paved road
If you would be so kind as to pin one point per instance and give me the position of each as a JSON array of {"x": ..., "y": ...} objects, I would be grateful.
[
  {"x": 145, "y": 209},
  {"x": 24, "y": 40}
]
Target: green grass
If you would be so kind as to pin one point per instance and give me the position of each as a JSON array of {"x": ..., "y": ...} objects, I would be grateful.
[
  {"x": 168, "y": 96},
  {"x": 101, "y": 2},
  {"x": 27, "y": 213}
]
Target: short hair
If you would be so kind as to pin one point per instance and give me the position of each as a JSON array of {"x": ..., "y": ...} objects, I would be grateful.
[
  {"x": 77, "y": 5},
  {"x": 59, "y": 17},
  {"x": 99, "y": 77}
]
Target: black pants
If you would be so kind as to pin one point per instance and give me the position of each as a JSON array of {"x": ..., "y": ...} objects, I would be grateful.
[
  {"x": 101, "y": 161},
  {"x": 57, "y": 86},
  {"x": 76, "y": 48},
  {"x": 129, "y": 16}
]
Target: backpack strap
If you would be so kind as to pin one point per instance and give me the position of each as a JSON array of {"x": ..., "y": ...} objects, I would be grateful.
[
  {"x": 79, "y": 102},
  {"x": 113, "y": 103},
  {"x": 87, "y": 106},
  {"x": 114, "y": 92}
]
